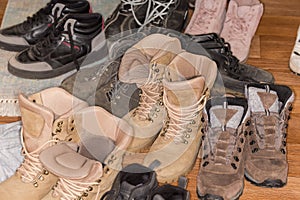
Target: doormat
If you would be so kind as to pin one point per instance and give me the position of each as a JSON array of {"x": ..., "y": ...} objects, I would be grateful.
[{"x": 10, "y": 85}]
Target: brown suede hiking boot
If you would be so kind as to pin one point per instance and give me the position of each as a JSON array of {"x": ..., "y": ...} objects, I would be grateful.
[
  {"x": 186, "y": 89},
  {"x": 144, "y": 64},
  {"x": 221, "y": 174},
  {"x": 39, "y": 112},
  {"x": 266, "y": 164}
]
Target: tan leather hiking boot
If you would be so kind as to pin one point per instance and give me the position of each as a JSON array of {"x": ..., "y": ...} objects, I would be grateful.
[
  {"x": 103, "y": 137},
  {"x": 266, "y": 164},
  {"x": 221, "y": 174},
  {"x": 39, "y": 112},
  {"x": 79, "y": 177},
  {"x": 185, "y": 93},
  {"x": 144, "y": 64}
]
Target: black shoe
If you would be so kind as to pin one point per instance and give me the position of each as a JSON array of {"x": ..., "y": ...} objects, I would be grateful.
[
  {"x": 234, "y": 75},
  {"x": 39, "y": 25},
  {"x": 171, "y": 14},
  {"x": 171, "y": 192},
  {"x": 64, "y": 50},
  {"x": 133, "y": 182}
]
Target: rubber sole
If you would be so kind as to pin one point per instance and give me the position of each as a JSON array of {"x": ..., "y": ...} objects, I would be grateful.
[
  {"x": 12, "y": 47},
  {"x": 97, "y": 56},
  {"x": 216, "y": 197},
  {"x": 276, "y": 183}
]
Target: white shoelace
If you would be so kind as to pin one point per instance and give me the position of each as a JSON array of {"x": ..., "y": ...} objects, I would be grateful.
[
  {"x": 181, "y": 118},
  {"x": 156, "y": 9},
  {"x": 151, "y": 94},
  {"x": 31, "y": 165},
  {"x": 70, "y": 189},
  {"x": 133, "y": 3}
]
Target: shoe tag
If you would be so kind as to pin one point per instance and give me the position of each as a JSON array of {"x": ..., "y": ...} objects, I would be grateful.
[
  {"x": 182, "y": 182},
  {"x": 154, "y": 164}
]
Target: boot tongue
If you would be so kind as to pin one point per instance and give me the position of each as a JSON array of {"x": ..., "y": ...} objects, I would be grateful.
[
  {"x": 226, "y": 116},
  {"x": 262, "y": 100},
  {"x": 63, "y": 161},
  {"x": 137, "y": 61},
  {"x": 184, "y": 93}
]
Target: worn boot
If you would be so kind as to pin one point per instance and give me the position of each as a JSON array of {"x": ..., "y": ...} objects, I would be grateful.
[
  {"x": 144, "y": 64},
  {"x": 221, "y": 174},
  {"x": 45, "y": 120},
  {"x": 79, "y": 176},
  {"x": 186, "y": 89},
  {"x": 266, "y": 163}
]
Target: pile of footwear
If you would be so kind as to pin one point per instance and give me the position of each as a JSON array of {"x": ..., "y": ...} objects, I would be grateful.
[{"x": 152, "y": 96}]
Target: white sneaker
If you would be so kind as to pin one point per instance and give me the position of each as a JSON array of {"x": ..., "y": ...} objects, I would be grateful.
[{"x": 295, "y": 55}]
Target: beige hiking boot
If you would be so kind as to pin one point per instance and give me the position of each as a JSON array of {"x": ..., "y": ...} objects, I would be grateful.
[
  {"x": 185, "y": 93},
  {"x": 144, "y": 64},
  {"x": 79, "y": 176},
  {"x": 221, "y": 174},
  {"x": 103, "y": 137},
  {"x": 266, "y": 162},
  {"x": 39, "y": 112}
]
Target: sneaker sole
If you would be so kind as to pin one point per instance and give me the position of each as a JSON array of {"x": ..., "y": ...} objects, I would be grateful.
[
  {"x": 12, "y": 47},
  {"x": 216, "y": 197},
  {"x": 61, "y": 70},
  {"x": 294, "y": 69},
  {"x": 276, "y": 183}
]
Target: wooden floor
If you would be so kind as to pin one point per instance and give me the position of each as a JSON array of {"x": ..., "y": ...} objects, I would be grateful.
[{"x": 271, "y": 49}]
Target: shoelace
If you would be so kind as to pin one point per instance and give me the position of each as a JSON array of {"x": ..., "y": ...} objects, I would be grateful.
[
  {"x": 206, "y": 15},
  {"x": 239, "y": 28},
  {"x": 181, "y": 118},
  {"x": 268, "y": 138},
  {"x": 40, "y": 16},
  {"x": 156, "y": 10},
  {"x": 70, "y": 189},
  {"x": 151, "y": 93},
  {"x": 232, "y": 64},
  {"x": 116, "y": 89},
  {"x": 131, "y": 4},
  {"x": 31, "y": 165},
  {"x": 220, "y": 145},
  {"x": 51, "y": 41}
]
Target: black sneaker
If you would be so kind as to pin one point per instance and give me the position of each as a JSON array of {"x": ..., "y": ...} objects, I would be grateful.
[
  {"x": 130, "y": 14},
  {"x": 133, "y": 182},
  {"x": 234, "y": 75},
  {"x": 36, "y": 27},
  {"x": 65, "y": 49},
  {"x": 171, "y": 192}
]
